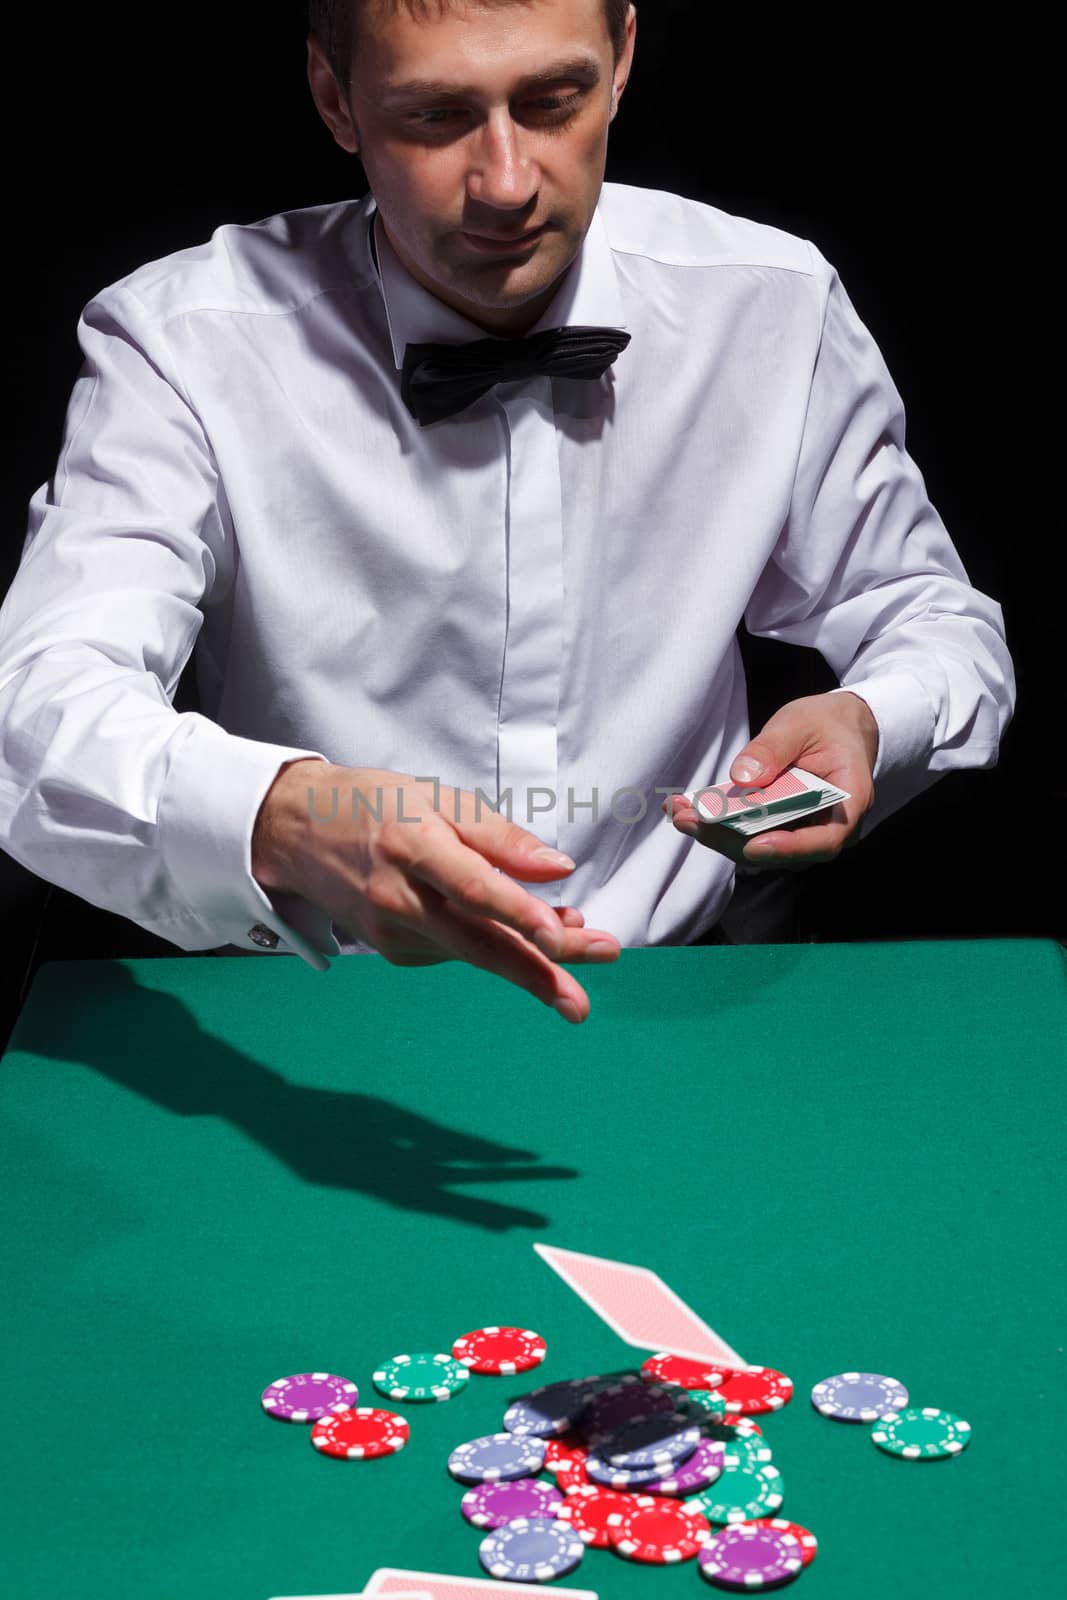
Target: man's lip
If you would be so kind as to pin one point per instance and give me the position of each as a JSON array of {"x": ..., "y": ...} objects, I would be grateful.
[{"x": 504, "y": 238}]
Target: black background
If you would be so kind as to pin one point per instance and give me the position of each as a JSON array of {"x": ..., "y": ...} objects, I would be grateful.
[{"x": 138, "y": 130}]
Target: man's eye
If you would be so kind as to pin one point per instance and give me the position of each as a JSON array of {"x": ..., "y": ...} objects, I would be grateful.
[
  {"x": 546, "y": 105},
  {"x": 434, "y": 118}
]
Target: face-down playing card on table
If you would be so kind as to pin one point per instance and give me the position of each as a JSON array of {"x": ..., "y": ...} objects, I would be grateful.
[
  {"x": 394, "y": 1582},
  {"x": 397, "y": 1594}
]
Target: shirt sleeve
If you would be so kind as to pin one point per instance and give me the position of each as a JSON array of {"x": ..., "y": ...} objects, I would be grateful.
[
  {"x": 865, "y": 572},
  {"x": 105, "y": 789}
]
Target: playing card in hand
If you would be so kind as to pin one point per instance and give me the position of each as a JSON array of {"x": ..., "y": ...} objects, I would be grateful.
[{"x": 749, "y": 810}]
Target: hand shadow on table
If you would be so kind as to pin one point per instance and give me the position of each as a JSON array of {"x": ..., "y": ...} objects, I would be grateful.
[{"x": 339, "y": 1139}]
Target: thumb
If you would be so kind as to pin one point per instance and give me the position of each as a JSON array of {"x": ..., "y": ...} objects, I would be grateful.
[{"x": 762, "y": 759}]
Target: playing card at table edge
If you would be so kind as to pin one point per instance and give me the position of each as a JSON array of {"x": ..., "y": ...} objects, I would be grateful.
[{"x": 452, "y": 1586}]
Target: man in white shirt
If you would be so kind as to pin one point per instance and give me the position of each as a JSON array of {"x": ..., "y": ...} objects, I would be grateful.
[{"x": 411, "y": 603}]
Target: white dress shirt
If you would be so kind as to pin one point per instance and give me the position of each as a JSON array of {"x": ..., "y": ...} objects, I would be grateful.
[{"x": 538, "y": 596}]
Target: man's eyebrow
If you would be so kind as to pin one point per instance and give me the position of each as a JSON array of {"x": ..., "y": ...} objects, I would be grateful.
[{"x": 586, "y": 68}]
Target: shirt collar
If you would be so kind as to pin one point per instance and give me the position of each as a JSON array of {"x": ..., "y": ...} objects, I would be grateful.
[{"x": 588, "y": 295}]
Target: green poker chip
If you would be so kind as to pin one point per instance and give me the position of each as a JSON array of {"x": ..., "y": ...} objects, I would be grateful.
[
  {"x": 701, "y": 1403},
  {"x": 925, "y": 1434},
  {"x": 421, "y": 1377},
  {"x": 743, "y": 1491}
]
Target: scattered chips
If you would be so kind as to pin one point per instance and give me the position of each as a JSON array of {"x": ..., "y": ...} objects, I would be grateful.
[
  {"x": 493, "y": 1505},
  {"x": 750, "y": 1555},
  {"x": 921, "y": 1435},
  {"x": 858, "y": 1396},
  {"x": 531, "y": 1547},
  {"x": 421, "y": 1377},
  {"x": 308, "y": 1396},
  {"x": 659, "y": 1531},
  {"x": 500, "y": 1351},
  {"x": 497, "y": 1456},
  {"x": 360, "y": 1434}
]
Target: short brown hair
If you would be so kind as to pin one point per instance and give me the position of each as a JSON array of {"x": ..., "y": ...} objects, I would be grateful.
[{"x": 333, "y": 22}]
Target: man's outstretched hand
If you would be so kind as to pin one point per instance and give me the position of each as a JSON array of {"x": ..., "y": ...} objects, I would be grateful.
[
  {"x": 834, "y": 736},
  {"x": 414, "y": 873}
]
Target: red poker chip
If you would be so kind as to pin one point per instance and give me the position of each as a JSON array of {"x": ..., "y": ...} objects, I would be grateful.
[
  {"x": 807, "y": 1541},
  {"x": 658, "y": 1531},
  {"x": 568, "y": 1447},
  {"x": 587, "y": 1510},
  {"x": 360, "y": 1433},
  {"x": 500, "y": 1351},
  {"x": 572, "y": 1476},
  {"x": 687, "y": 1374},
  {"x": 755, "y": 1390}
]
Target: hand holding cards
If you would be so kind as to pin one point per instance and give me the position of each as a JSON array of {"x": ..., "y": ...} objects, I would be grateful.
[{"x": 747, "y": 810}]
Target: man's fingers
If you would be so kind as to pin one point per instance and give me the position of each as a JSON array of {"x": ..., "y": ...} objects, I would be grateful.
[
  {"x": 466, "y": 879},
  {"x": 502, "y": 950}
]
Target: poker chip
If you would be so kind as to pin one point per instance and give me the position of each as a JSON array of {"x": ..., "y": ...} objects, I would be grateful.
[
  {"x": 565, "y": 1449},
  {"x": 659, "y": 1441},
  {"x": 308, "y": 1396},
  {"x": 497, "y": 1456},
  {"x": 750, "y": 1555},
  {"x": 421, "y": 1377},
  {"x": 494, "y": 1505},
  {"x": 706, "y": 1402},
  {"x": 360, "y": 1434},
  {"x": 755, "y": 1390},
  {"x": 748, "y": 1447},
  {"x": 807, "y": 1541},
  {"x": 587, "y": 1510},
  {"x": 571, "y": 1474},
  {"x": 531, "y": 1547},
  {"x": 598, "y": 1469},
  {"x": 858, "y": 1396},
  {"x": 625, "y": 1402},
  {"x": 500, "y": 1351},
  {"x": 921, "y": 1434},
  {"x": 551, "y": 1410},
  {"x": 659, "y": 1531},
  {"x": 698, "y": 1472},
  {"x": 744, "y": 1491},
  {"x": 683, "y": 1371}
]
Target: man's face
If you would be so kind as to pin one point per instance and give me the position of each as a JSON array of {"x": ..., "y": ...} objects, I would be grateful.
[{"x": 477, "y": 126}]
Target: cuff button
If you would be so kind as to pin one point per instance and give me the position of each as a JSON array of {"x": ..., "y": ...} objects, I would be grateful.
[{"x": 265, "y": 937}]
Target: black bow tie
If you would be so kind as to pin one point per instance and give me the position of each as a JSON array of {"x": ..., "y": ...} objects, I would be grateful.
[{"x": 440, "y": 379}]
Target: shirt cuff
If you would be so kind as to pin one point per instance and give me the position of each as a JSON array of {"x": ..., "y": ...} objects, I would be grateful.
[
  {"x": 216, "y": 784},
  {"x": 906, "y": 720}
]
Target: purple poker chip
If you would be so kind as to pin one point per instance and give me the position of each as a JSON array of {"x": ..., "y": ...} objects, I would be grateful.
[
  {"x": 551, "y": 1410},
  {"x": 494, "y": 1505},
  {"x": 698, "y": 1472},
  {"x": 625, "y": 1402},
  {"x": 657, "y": 1441},
  {"x": 750, "y": 1556},
  {"x": 309, "y": 1396},
  {"x": 497, "y": 1457}
]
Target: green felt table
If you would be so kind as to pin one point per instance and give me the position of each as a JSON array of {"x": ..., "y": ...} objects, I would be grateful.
[{"x": 218, "y": 1172}]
